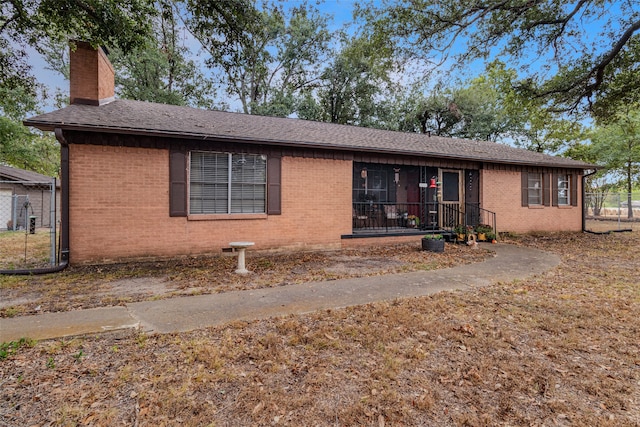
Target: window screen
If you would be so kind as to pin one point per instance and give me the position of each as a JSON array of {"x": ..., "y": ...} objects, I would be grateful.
[
  {"x": 224, "y": 183},
  {"x": 534, "y": 187},
  {"x": 563, "y": 190}
]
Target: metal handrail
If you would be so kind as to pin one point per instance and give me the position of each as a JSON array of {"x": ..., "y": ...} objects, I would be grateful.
[{"x": 430, "y": 216}]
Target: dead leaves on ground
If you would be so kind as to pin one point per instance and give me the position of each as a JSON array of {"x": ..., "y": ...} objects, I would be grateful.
[
  {"x": 558, "y": 349},
  {"x": 118, "y": 284}
]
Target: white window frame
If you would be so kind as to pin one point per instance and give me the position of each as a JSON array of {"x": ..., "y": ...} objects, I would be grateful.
[
  {"x": 564, "y": 190},
  {"x": 535, "y": 187}
]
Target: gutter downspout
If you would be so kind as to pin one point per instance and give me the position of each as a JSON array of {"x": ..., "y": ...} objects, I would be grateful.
[
  {"x": 64, "y": 202},
  {"x": 64, "y": 212}
]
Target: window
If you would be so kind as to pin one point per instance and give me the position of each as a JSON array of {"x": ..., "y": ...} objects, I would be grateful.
[
  {"x": 564, "y": 198},
  {"x": 371, "y": 182},
  {"x": 534, "y": 189},
  {"x": 225, "y": 183}
]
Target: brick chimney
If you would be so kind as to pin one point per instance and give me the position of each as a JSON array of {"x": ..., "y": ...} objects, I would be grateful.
[{"x": 91, "y": 75}]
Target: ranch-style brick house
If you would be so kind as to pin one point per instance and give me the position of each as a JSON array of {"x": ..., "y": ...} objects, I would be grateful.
[{"x": 145, "y": 180}]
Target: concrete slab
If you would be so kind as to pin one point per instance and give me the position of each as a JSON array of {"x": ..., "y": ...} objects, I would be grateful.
[
  {"x": 188, "y": 313},
  {"x": 65, "y": 324}
]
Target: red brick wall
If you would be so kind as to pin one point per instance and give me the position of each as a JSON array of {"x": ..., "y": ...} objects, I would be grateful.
[
  {"x": 91, "y": 74},
  {"x": 119, "y": 208},
  {"x": 501, "y": 193}
]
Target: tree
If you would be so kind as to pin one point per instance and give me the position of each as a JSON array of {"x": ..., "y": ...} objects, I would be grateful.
[
  {"x": 23, "y": 23},
  {"x": 266, "y": 55},
  {"x": 30, "y": 150},
  {"x": 576, "y": 44},
  {"x": 597, "y": 185},
  {"x": 437, "y": 114},
  {"x": 489, "y": 108},
  {"x": 619, "y": 84},
  {"x": 21, "y": 147},
  {"x": 161, "y": 71},
  {"x": 617, "y": 147},
  {"x": 32, "y": 23},
  {"x": 355, "y": 86}
]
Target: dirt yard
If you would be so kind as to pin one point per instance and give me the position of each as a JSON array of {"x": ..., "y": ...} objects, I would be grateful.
[
  {"x": 117, "y": 284},
  {"x": 558, "y": 349}
]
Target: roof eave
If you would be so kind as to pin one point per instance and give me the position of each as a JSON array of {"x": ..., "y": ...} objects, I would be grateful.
[{"x": 48, "y": 126}]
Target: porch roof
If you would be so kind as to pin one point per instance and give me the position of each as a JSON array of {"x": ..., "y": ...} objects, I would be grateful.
[{"x": 145, "y": 118}]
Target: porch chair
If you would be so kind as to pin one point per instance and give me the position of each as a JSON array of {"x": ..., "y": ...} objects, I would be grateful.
[
  {"x": 359, "y": 220},
  {"x": 391, "y": 214}
]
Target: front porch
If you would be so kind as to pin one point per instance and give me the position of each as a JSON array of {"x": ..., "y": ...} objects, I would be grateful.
[
  {"x": 402, "y": 219},
  {"x": 405, "y": 200}
]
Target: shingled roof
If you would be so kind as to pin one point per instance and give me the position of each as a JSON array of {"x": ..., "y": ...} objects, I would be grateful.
[
  {"x": 23, "y": 176},
  {"x": 145, "y": 118}
]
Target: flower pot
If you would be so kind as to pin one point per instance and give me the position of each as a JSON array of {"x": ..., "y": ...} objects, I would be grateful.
[
  {"x": 433, "y": 245},
  {"x": 482, "y": 237}
]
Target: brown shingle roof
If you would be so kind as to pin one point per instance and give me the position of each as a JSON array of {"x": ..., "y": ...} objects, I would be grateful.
[
  {"x": 125, "y": 116},
  {"x": 14, "y": 174}
]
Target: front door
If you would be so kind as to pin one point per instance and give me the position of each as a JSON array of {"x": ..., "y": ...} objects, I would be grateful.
[{"x": 452, "y": 197}]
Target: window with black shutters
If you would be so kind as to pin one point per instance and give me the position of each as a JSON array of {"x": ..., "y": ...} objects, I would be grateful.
[{"x": 226, "y": 183}]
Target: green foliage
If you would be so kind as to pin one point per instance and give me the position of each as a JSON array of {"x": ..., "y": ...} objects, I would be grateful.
[
  {"x": 579, "y": 46},
  {"x": 30, "y": 150},
  {"x": 38, "y": 24},
  {"x": 10, "y": 348},
  {"x": 122, "y": 23},
  {"x": 354, "y": 85},
  {"x": 488, "y": 108},
  {"x": 616, "y": 146},
  {"x": 621, "y": 85},
  {"x": 265, "y": 55},
  {"x": 433, "y": 237},
  {"x": 160, "y": 71},
  {"x": 484, "y": 228}
]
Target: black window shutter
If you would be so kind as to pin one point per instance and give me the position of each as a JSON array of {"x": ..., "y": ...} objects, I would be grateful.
[
  {"x": 573, "y": 183},
  {"x": 554, "y": 189},
  {"x": 177, "y": 183},
  {"x": 546, "y": 189},
  {"x": 525, "y": 191},
  {"x": 274, "y": 179}
]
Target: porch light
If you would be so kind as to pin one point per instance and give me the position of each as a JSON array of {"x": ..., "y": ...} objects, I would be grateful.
[
  {"x": 396, "y": 177},
  {"x": 363, "y": 173}
]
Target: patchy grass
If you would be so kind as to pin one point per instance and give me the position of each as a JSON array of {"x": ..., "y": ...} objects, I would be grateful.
[
  {"x": 612, "y": 224},
  {"x": 20, "y": 250},
  {"x": 95, "y": 286},
  {"x": 558, "y": 349}
]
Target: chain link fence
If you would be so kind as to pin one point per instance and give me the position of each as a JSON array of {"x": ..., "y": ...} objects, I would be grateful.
[
  {"x": 29, "y": 214},
  {"x": 612, "y": 212}
]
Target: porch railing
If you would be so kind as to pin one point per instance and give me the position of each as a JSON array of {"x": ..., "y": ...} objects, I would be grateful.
[
  {"x": 385, "y": 217},
  {"x": 430, "y": 216}
]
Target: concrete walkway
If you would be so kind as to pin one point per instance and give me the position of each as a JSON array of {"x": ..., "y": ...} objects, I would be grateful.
[{"x": 188, "y": 313}]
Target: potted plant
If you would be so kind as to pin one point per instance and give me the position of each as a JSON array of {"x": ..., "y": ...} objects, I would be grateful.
[
  {"x": 461, "y": 231},
  {"x": 433, "y": 243},
  {"x": 482, "y": 230},
  {"x": 413, "y": 221},
  {"x": 491, "y": 237}
]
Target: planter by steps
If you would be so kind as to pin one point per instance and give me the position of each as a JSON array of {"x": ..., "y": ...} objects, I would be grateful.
[{"x": 432, "y": 245}]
